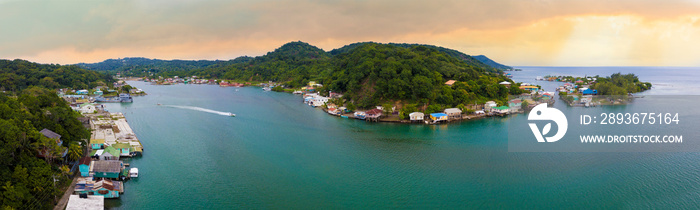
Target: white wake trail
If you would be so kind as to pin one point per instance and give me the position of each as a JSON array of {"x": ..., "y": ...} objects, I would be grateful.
[{"x": 201, "y": 109}]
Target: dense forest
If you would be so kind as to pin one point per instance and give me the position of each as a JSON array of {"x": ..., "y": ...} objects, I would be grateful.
[
  {"x": 372, "y": 74},
  {"x": 620, "y": 84},
  {"x": 27, "y": 107},
  {"x": 17, "y": 75}
]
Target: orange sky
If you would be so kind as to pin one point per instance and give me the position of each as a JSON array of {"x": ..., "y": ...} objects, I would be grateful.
[{"x": 513, "y": 32}]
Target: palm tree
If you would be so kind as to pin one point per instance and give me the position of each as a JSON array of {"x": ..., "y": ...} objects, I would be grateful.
[{"x": 75, "y": 152}]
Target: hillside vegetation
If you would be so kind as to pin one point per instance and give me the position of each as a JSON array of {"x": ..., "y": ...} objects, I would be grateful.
[
  {"x": 620, "y": 84},
  {"x": 27, "y": 107}
]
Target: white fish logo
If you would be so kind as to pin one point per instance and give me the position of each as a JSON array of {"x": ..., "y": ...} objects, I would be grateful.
[{"x": 542, "y": 112}]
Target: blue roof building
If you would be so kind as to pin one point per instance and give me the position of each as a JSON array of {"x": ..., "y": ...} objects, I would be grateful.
[{"x": 589, "y": 92}]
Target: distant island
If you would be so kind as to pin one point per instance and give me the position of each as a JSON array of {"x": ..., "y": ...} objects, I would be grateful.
[{"x": 596, "y": 90}]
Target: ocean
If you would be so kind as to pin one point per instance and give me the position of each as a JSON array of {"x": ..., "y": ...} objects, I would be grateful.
[{"x": 279, "y": 153}]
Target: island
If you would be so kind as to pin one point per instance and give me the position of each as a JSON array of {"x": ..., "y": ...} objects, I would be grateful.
[{"x": 615, "y": 89}]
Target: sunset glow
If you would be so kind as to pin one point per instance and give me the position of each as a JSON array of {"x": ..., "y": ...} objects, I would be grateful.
[{"x": 542, "y": 33}]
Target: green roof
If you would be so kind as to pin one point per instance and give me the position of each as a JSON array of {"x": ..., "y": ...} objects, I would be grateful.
[
  {"x": 502, "y": 108},
  {"x": 112, "y": 151}
]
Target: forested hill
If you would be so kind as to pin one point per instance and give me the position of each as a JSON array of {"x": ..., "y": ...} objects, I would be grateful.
[
  {"x": 294, "y": 63},
  {"x": 27, "y": 107},
  {"x": 143, "y": 66},
  {"x": 454, "y": 53},
  {"x": 371, "y": 73},
  {"x": 16, "y": 75},
  {"x": 492, "y": 63}
]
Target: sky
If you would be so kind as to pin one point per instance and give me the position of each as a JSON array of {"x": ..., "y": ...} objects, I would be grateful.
[{"x": 512, "y": 32}]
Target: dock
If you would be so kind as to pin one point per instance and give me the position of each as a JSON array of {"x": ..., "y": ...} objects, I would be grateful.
[{"x": 113, "y": 129}]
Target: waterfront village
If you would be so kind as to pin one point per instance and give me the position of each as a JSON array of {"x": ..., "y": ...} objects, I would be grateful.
[
  {"x": 576, "y": 93},
  {"x": 312, "y": 97},
  {"x": 517, "y": 104},
  {"x": 103, "y": 171}
]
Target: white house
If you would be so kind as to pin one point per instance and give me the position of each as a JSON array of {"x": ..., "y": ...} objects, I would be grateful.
[
  {"x": 416, "y": 116},
  {"x": 489, "y": 105},
  {"x": 87, "y": 108},
  {"x": 586, "y": 99},
  {"x": 318, "y": 101}
]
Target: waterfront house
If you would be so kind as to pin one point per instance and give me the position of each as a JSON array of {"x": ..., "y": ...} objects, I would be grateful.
[
  {"x": 416, "y": 116},
  {"x": 501, "y": 109},
  {"x": 106, "y": 168},
  {"x": 360, "y": 115},
  {"x": 453, "y": 113},
  {"x": 99, "y": 92},
  {"x": 437, "y": 117},
  {"x": 55, "y": 137},
  {"x": 373, "y": 114},
  {"x": 97, "y": 143},
  {"x": 333, "y": 111},
  {"x": 104, "y": 187},
  {"x": 123, "y": 148},
  {"x": 479, "y": 112},
  {"x": 84, "y": 166},
  {"x": 547, "y": 96},
  {"x": 82, "y": 92},
  {"x": 515, "y": 104},
  {"x": 450, "y": 82}
]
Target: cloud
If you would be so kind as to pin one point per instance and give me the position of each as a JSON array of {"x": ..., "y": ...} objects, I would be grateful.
[{"x": 539, "y": 32}]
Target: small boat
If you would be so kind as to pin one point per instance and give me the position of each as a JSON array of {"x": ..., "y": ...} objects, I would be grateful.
[
  {"x": 267, "y": 88},
  {"x": 231, "y": 114},
  {"x": 133, "y": 172},
  {"x": 159, "y": 104}
]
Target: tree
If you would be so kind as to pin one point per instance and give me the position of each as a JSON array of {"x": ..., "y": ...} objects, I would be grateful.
[
  {"x": 127, "y": 88},
  {"x": 75, "y": 151},
  {"x": 387, "y": 108}
]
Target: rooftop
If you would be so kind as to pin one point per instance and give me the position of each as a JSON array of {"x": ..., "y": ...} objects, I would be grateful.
[
  {"x": 50, "y": 134},
  {"x": 438, "y": 114},
  {"x": 453, "y": 110},
  {"x": 91, "y": 202},
  {"x": 109, "y": 166}
]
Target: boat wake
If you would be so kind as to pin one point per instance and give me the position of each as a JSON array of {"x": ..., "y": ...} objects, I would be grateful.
[{"x": 201, "y": 110}]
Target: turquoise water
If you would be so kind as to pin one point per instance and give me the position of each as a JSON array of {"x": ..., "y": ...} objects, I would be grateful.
[{"x": 279, "y": 153}]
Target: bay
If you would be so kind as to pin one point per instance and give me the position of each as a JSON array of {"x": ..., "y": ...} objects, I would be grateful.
[{"x": 279, "y": 153}]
